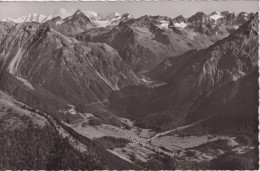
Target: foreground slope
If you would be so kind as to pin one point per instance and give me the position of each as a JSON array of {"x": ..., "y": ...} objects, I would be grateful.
[{"x": 33, "y": 139}]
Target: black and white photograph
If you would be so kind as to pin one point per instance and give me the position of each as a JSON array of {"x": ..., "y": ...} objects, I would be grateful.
[{"x": 129, "y": 85}]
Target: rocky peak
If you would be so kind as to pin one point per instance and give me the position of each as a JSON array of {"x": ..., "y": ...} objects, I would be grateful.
[
  {"x": 126, "y": 16},
  {"x": 199, "y": 16},
  {"x": 253, "y": 24},
  {"x": 180, "y": 19},
  {"x": 243, "y": 17},
  {"x": 225, "y": 13},
  {"x": 79, "y": 15}
]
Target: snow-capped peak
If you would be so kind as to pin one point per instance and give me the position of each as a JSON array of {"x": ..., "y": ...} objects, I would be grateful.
[
  {"x": 30, "y": 18},
  {"x": 63, "y": 13},
  {"x": 180, "y": 22}
]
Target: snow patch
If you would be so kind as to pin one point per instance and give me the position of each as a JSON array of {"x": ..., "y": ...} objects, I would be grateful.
[
  {"x": 180, "y": 25},
  {"x": 232, "y": 142},
  {"x": 42, "y": 18},
  {"x": 164, "y": 25},
  {"x": 146, "y": 81},
  {"x": 73, "y": 111},
  {"x": 29, "y": 18},
  {"x": 242, "y": 149},
  {"x": 114, "y": 87},
  {"x": 62, "y": 12},
  {"x": 236, "y": 27},
  {"x": 26, "y": 82},
  {"x": 216, "y": 16}
]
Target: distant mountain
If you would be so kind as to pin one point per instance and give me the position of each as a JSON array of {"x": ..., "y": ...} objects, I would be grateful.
[
  {"x": 144, "y": 42},
  {"x": 34, "y": 17},
  {"x": 216, "y": 22},
  {"x": 74, "y": 24},
  {"x": 63, "y": 13}
]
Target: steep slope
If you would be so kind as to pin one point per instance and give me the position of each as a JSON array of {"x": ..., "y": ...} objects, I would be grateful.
[
  {"x": 144, "y": 42},
  {"x": 79, "y": 74},
  {"x": 193, "y": 75},
  {"x": 234, "y": 107}
]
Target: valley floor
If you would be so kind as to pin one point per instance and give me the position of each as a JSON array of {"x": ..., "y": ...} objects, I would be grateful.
[{"x": 145, "y": 143}]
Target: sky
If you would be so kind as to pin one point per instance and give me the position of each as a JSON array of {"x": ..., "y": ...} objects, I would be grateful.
[{"x": 136, "y": 8}]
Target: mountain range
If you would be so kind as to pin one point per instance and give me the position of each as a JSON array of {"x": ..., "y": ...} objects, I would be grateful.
[{"x": 160, "y": 72}]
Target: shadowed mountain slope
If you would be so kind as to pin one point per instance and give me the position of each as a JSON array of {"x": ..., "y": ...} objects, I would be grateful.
[{"x": 192, "y": 77}]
